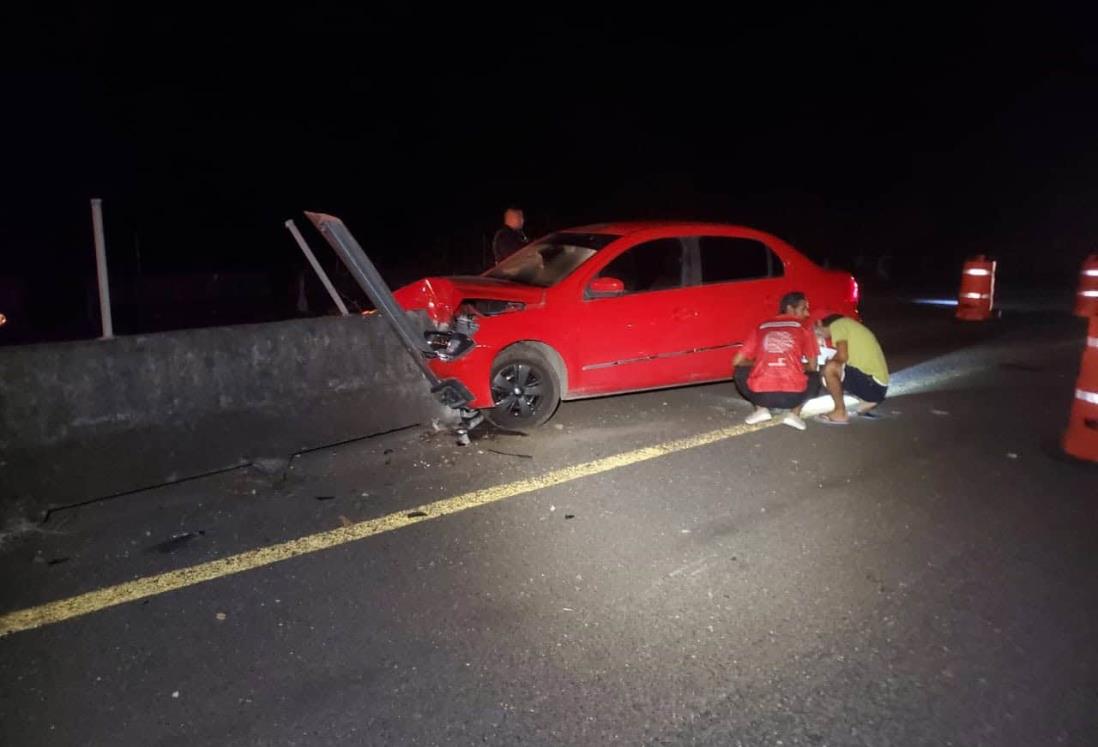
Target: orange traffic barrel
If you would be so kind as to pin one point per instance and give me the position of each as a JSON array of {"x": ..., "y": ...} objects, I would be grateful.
[
  {"x": 977, "y": 294},
  {"x": 1086, "y": 300},
  {"x": 1081, "y": 438}
]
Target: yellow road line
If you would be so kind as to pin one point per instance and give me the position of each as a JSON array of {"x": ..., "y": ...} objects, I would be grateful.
[{"x": 93, "y": 601}]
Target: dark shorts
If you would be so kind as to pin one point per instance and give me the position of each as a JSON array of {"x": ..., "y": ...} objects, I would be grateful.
[
  {"x": 862, "y": 385},
  {"x": 775, "y": 400}
]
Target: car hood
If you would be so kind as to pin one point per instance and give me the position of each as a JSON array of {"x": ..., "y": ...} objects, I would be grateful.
[{"x": 440, "y": 297}]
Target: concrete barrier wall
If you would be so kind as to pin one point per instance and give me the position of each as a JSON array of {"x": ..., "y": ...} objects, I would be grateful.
[{"x": 86, "y": 419}]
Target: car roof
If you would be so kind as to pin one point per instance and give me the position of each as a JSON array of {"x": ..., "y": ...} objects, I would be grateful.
[{"x": 625, "y": 228}]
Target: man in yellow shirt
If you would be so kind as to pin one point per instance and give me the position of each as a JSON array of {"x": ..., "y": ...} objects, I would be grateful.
[{"x": 858, "y": 367}]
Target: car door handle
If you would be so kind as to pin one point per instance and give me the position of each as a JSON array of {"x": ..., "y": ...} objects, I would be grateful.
[{"x": 683, "y": 315}]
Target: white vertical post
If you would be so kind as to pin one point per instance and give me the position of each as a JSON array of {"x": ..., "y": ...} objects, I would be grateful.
[
  {"x": 101, "y": 269},
  {"x": 316, "y": 267}
]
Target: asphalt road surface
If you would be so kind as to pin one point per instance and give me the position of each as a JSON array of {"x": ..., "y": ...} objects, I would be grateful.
[{"x": 926, "y": 578}]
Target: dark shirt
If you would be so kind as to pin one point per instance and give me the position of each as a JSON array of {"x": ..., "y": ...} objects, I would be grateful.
[{"x": 506, "y": 242}]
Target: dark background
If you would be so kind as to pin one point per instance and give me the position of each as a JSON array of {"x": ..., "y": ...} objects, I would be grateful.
[{"x": 893, "y": 144}]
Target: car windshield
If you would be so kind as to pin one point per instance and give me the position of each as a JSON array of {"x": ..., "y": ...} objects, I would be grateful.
[{"x": 548, "y": 261}]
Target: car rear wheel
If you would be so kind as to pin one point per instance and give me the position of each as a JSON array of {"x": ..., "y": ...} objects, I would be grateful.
[{"x": 525, "y": 389}]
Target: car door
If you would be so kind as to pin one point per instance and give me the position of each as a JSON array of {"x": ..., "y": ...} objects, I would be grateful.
[
  {"x": 637, "y": 340},
  {"x": 740, "y": 281}
]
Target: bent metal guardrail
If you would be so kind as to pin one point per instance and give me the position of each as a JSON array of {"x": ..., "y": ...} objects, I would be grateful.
[{"x": 449, "y": 392}]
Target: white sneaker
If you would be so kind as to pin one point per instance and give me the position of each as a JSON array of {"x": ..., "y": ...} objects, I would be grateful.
[
  {"x": 757, "y": 417},
  {"x": 793, "y": 421}
]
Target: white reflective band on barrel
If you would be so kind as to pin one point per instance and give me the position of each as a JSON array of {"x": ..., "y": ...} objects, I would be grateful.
[
  {"x": 1091, "y": 397},
  {"x": 1092, "y": 342},
  {"x": 979, "y": 272},
  {"x": 975, "y": 295},
  {"x": 1089, "y": 294},
  {"x": 1091, "y": 273}
]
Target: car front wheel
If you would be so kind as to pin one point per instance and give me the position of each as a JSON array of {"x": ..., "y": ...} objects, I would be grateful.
[{"x": 525, "y": 389}]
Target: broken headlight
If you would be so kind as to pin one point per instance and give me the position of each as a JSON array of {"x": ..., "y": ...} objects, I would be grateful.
[
  {"x": 465, "y": 324},
  {"x": 447, "y": 345}
]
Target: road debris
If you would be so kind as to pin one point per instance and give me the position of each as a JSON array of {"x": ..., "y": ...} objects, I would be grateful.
[
  {"x": 221, "y": 616},
  {"x": 176, "y": 541},
  {"x": 325, "y": 497},
  {"x": 939, "y": 412},
  {"x": 16, "y": 528},
  {"x": 510, "y": 454},
  {"x": 344, "y": 521},
  {"x": 271, "y": 465}
]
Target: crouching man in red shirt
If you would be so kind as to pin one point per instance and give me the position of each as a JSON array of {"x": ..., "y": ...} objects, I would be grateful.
[{"x": 770, "y": 368}]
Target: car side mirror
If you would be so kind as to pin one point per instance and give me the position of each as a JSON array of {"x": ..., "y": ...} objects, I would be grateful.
[{"x": 605, "y": 288}]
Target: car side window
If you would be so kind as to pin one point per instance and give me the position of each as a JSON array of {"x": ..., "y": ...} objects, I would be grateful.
[
  {"x": 727, "y": 258},
  {"x": 651, "y": 266}
]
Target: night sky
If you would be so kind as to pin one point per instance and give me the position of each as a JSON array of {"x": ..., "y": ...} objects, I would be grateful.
[{"x": 850, "y": 133}]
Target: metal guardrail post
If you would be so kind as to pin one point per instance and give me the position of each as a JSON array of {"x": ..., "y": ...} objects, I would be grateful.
[
  {"x": 450, "y": 392},
  {"x": 101, "y": 269},
  {"x": 317, "y": 268}
]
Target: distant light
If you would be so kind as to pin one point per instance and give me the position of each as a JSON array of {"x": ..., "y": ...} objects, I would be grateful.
[
  {"x": 935, "y": 301},
  {"x": 3, "y": 320},
  {"x": 978, "y": 271}
]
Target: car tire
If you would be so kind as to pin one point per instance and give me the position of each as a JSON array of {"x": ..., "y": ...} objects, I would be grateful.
[{"x": 525, "y": 389}]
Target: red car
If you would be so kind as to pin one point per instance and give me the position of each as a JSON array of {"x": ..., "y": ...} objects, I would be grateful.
[{"x": 612, "y": 308}]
